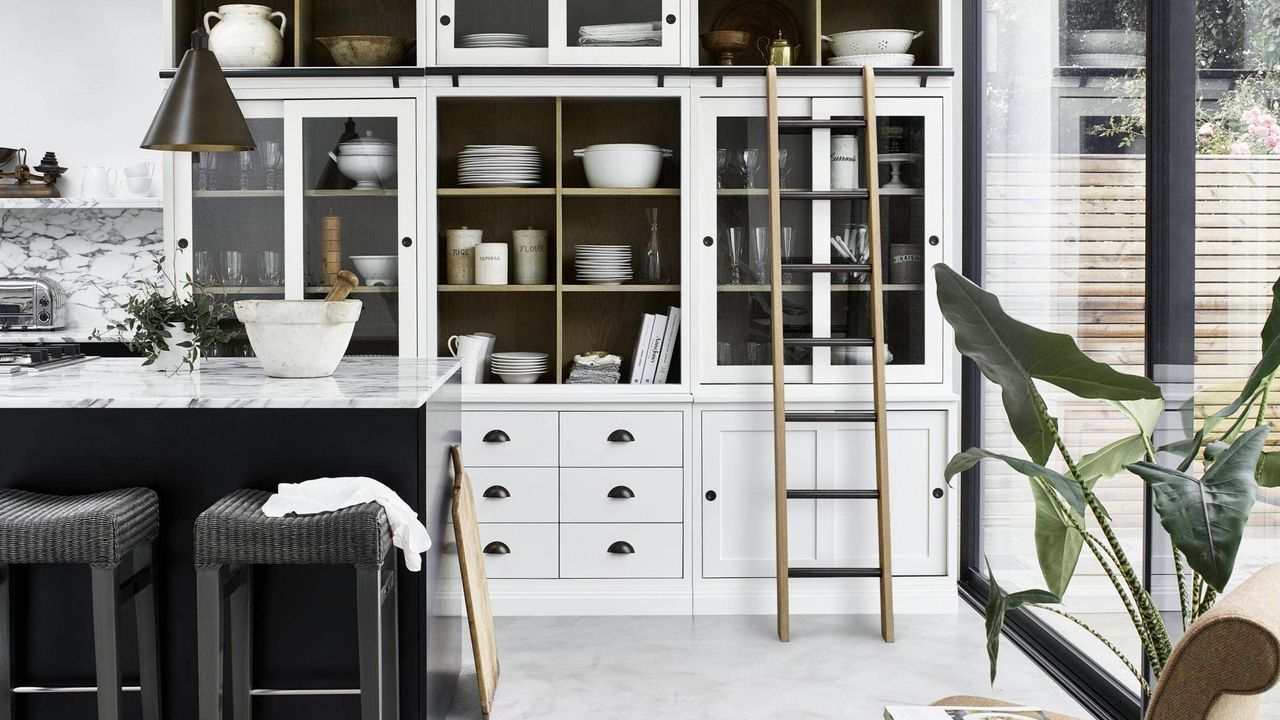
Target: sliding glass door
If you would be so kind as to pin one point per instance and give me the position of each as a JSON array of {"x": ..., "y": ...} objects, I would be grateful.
[{"x": 1089, "y": 219}]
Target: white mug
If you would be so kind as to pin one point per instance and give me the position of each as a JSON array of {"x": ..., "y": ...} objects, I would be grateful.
[
  {"x": 98, "y": 182},
  {"x": 491, "y": 263},
  {"x": 140, "y": 170},
  {"x": 490, "y": 341},
  {"x": 471, "y": 351}
]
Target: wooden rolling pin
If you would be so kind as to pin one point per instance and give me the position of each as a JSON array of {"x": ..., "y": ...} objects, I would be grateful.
[{"x": 343, "y": 284}]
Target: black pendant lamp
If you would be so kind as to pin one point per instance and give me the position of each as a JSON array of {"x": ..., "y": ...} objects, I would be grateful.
[{"x": 199, "y": 113}]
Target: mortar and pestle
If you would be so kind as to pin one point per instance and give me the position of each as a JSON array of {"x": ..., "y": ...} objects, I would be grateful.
[{"x": 302, "y": 338}]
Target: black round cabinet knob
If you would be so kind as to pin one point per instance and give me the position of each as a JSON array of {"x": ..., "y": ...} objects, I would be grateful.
[{"x": 938, "y": 493}]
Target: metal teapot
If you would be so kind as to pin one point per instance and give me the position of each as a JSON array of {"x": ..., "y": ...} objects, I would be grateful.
[{"x": 778, "y": 51}]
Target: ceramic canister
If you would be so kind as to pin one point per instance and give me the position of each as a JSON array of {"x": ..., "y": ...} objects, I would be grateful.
[
  {"x": 906, "y": 263},
  {"x": 491, "y": 263},
  {"x": 844, "y": 162},
  {"x": 530, "y": 248},
  {"x": 460, "y": 263}
]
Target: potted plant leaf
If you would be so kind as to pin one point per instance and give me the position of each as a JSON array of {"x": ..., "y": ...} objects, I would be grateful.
[
  {"x": 1204, "y": 512},
  {"x": 171, "y": 329}
]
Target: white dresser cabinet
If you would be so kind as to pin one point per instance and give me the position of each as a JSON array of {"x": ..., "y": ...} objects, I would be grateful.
[{"x": 737, "y": 494}]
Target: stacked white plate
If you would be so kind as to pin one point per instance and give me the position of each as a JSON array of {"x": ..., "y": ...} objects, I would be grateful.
[
  {"x": 881, "y": 60},
  {"x": 519, "y": 368},
  {"x": 494, "y": 40},
  {"x": 603, "y": 264},
  {"x": 500, "y": 166}
]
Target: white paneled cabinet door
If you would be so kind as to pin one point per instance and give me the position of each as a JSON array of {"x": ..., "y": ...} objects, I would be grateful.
[
  {"x": 737, "y": 500},
  {"x": 615, "y": 32}
]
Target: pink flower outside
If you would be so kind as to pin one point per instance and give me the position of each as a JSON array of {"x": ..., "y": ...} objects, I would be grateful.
[{"x": 1239, "y": 148}]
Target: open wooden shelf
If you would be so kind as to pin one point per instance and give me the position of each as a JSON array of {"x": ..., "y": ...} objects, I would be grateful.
[
  {"x": 561, "y": 317},
  {"x": 362, "y": 290},
  {"x": 242, "y": 194},
  {"x": 352, "y": 193}
]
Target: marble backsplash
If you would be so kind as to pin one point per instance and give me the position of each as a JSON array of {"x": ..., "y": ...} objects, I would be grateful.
[{"x": 94, "y": 254}]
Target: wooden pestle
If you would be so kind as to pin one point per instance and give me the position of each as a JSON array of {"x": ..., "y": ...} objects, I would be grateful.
[{"x": 342, "y": 286}]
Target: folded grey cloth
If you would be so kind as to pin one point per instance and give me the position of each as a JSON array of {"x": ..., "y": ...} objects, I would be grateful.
[{"x": 596, "y": 372}]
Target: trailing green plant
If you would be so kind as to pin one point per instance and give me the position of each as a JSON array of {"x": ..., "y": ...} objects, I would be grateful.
[
  {"x": 1204, "y": 515},
  {"x": 155, "y": 308}
]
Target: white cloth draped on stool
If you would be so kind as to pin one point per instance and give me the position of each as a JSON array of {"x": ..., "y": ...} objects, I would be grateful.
[{"x": 329, "y": 494}]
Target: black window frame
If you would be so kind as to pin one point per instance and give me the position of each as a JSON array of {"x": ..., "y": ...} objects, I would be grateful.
[{"x": 1170, "y": 302}]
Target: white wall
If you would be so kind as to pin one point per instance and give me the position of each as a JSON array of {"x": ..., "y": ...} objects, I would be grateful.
[{"x": 79, "y": 77}]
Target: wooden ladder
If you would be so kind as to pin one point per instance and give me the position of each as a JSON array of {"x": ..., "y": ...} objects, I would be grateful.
[{"x": 876, "y": 416}]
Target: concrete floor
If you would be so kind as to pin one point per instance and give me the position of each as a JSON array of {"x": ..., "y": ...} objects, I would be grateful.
[{"x": 712, "y": 667}]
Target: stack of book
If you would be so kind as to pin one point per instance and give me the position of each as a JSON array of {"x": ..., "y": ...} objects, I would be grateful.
[{"x": 655, "y": 345}]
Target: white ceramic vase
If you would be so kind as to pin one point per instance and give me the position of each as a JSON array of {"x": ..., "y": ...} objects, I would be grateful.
[
  {"x": 245, "y": 36},
  {"x": 172, "y": 360}
]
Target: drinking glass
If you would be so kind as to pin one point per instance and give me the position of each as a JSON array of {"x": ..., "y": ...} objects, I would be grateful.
[
  {"x": 788, "y": 252},
  {"x": 735, "y": 239},
  {"x": 271, "y": 156},
  {"x": 749, "y": 162},
  {"x": 202, "y": 264},
  {"x": 758, "y": 353},
  {"x": 270, "y": 269},
  {"x": 785, "y": 163},
  {"x": 724, "y": 354},
  {"x": 233, "y": 268},
  {"x": 246, "y": 170},
  {"x": 207, "y": 172},
  {"x": 759, "y": 260},
  {"x": 722, "y": 166}
]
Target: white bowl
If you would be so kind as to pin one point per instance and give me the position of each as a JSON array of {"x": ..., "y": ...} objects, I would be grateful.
[
  {"x": 299, "y": 338},
  {"x": 519, "y": 378},
  {"x": 369, "y": 171},
  {"x": 1109, "y": 42},
  {"x": 871, "y": 42},
  {"x": 378, "y": 269},
  {"x": 1109, "y": 61},
  {"x": 886, "y": 60},
  {"x": 622, "y": 165}
]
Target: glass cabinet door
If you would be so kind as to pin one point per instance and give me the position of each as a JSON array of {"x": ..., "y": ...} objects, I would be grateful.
[
  {"x": 491, "y": 32},
  {"x": 231, "y": 217},
  {"x": 824, "y": 220},
  {"x": 615, "y": 32},
  {"x": 351, "y": 205}
]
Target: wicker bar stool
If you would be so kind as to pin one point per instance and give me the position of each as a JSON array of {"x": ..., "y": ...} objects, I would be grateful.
[
  {"x": 234, "y": 535},
  {"x": 111, "y": 532}
]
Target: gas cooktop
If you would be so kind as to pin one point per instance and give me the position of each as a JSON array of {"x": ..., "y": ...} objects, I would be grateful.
[{"x": 36, "y": 357}]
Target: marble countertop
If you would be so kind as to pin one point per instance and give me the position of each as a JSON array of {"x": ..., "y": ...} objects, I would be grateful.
[{"x": 360, "y": 382}]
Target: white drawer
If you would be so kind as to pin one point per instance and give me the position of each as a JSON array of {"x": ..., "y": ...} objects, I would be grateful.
[
  {"x": 600, "y": 550},
  {"x": 509, "y": 439},
  {"x": 516, "y": 495},
  {"x": 622, "y": 495},
  {"x": 531, "y": 550},
  {"x": 621, "y": 439}
]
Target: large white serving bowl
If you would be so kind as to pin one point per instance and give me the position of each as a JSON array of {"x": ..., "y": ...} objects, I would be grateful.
[
  {"x": 299, "y": 338},
  {"x": 369, "y": 170},
  {"x": 377, "y": 269},
  {"x": 622, "y": 165},
  {"x": 1109, "y": 42},
  {"x": 871, "y": 42}
]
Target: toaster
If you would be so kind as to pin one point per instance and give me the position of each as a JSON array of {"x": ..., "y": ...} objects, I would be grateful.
[{"x": 32, "y": 304}]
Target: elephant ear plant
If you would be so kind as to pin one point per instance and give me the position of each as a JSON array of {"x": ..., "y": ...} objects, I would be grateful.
[{"x": 1205, "y": 516}]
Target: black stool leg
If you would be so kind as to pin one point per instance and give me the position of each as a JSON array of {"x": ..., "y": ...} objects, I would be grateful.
[
  {"x": 6, "y": 647},
  {"x": 391, "y": 643},
  {"x": 242, "y": 645},
  {"x": 106, "y": 639},
  {"x": 144, "y": 608},
  {"x": 209, "y": 606},
  {"x": 369, "y": 610}
]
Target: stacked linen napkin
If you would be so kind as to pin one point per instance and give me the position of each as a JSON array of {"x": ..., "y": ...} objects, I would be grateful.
[
  {"x": 329, "y": 494},
  {"x": 595, "y": 369},
  {"x": 621, "y": 34}
]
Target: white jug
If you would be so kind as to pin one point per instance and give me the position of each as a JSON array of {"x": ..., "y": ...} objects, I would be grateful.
[
  {"x": 98, "y": 182},
  {"x": 245, "y": 37}
]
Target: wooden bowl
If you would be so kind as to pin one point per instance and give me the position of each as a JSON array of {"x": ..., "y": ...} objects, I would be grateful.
[
  {"x": 724, "y": 44},
  {"x": 366, "y": 50}
]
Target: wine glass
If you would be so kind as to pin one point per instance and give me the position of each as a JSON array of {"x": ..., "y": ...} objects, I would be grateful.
[
  {"x": 270, "y": 269},
  {"x": 759, "y": 250},
  {"x": 736, "y": 237},
  {"x": 272, "y": 158},
  {"x": 722, "y": 165},
  {"x": 233, "y": 268},
  {"x": 784, "y": 166},
  {"x": 749, "y": 162}
]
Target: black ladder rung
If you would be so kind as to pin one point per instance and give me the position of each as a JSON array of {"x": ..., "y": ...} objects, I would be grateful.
[
  {"x": 824, "y": 267},
  {"x": 826, "y": 342},
  {"x": 833, "y": 494},
  {"x": 832, "y": 572},
  {"x": 796, "y": 125},
  {"x": 837, "y": 416},
  {"x": 824, "y": 194}
]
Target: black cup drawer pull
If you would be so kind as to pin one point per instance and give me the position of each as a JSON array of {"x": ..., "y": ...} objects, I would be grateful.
[
  {"x": 497, "y": 548},
  {"x": 497, "y": 492},
  {"x": 621, "y": 436},
  {"x": 622, "y": 492},
  {"x": 622, "y": 547},
  {"x": 496, "y": 436}
]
